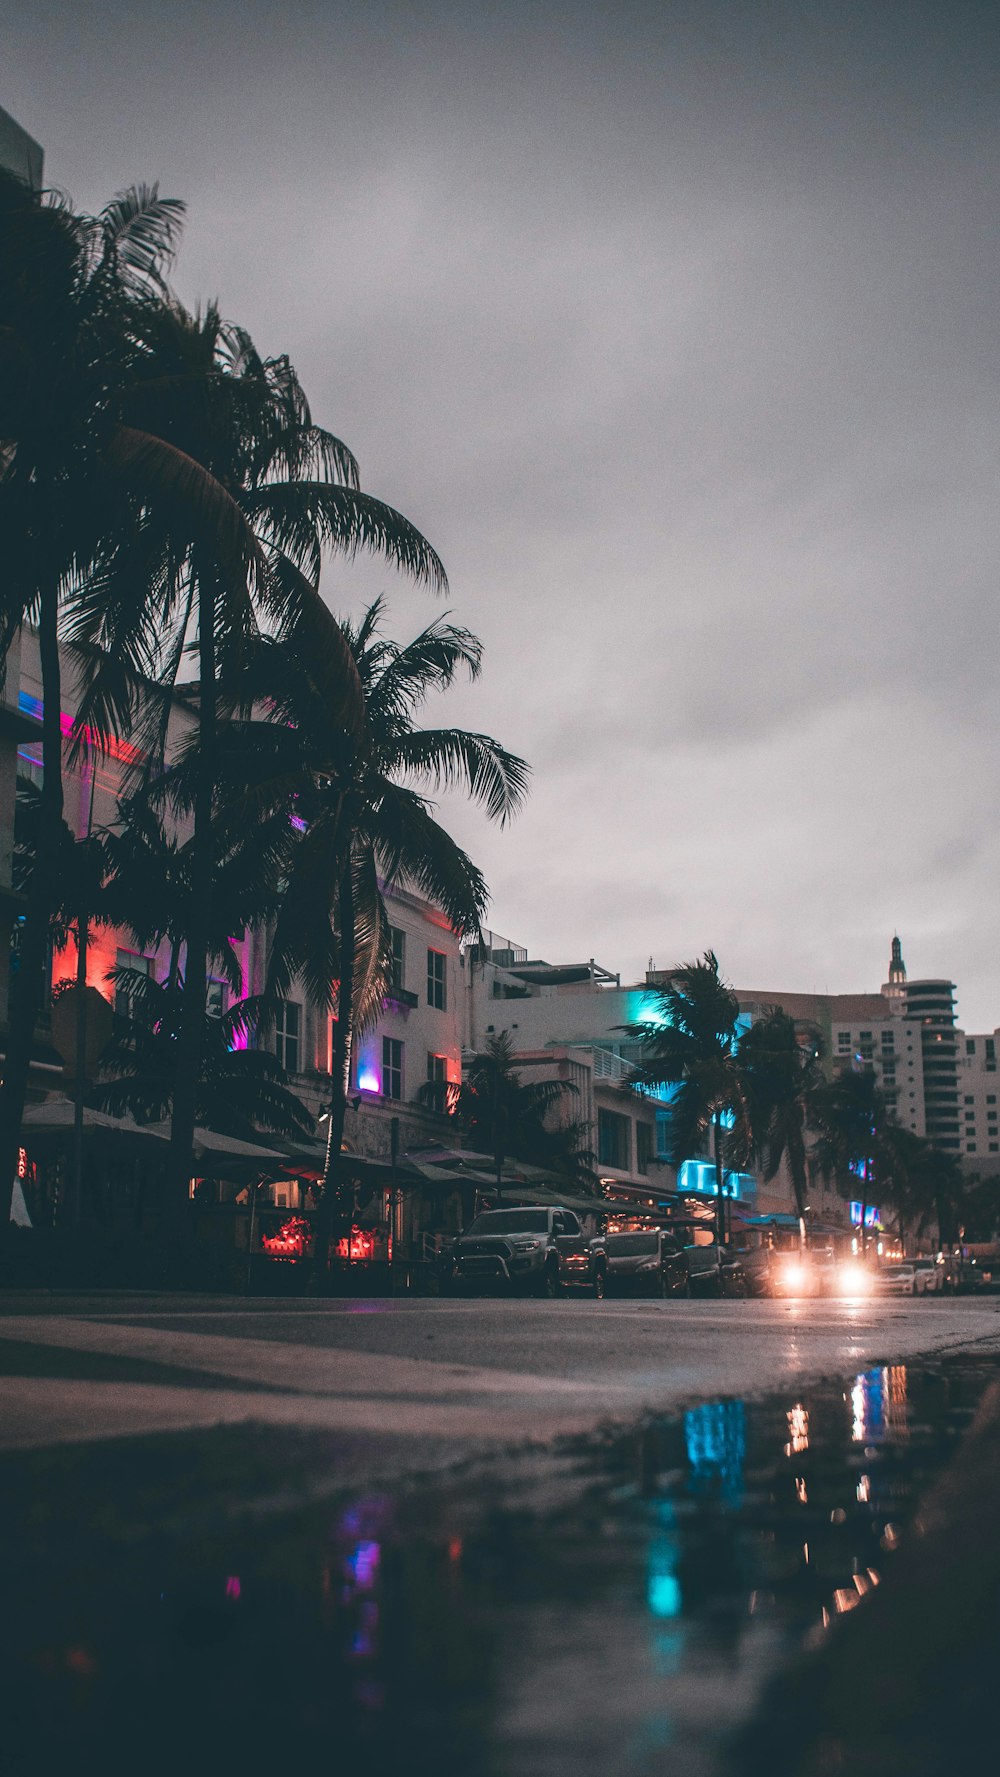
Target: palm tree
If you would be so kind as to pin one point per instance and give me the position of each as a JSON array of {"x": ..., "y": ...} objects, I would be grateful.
[
  {"x": 506, "y": 1116},
  {"x": 851, "y": 1116},
  {"x": 922, "y": 1182},
  {"x": 241, "y": 494},
  {"x": 689, "y": 1042},
  {"x": 70, "y": 288},
  {"x": 241, "y": 1091},
  {"x": 781, "y": 1075},
  {"x": 359, "y": 802}
]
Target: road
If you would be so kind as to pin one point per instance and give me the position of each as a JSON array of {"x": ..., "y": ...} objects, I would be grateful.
[
  {"x": 431, "y": 1378},
  {"x": 414, "y": 1525}
]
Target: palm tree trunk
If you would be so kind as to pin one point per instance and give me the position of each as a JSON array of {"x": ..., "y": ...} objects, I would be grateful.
[
  {"x": 343, "y": 1049},
  {"x": 28, "y": 984},
  {"x": 76, "y": 1169},
  {"x": 195, "y": 991},
  {"x": 720, "y": 1179}
]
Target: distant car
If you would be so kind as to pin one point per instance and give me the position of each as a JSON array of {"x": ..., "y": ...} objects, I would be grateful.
[
  {"x": 929, "y": 1277},
  {"x": 910, "y": 1279},
  {"x": 647, "y": 1262},
  {"x": 539, "y": 1251}
]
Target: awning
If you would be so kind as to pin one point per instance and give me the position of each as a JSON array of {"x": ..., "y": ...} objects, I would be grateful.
[{"x": 57, "y": 1117}]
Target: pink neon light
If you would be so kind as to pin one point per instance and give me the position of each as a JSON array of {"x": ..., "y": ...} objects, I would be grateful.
[{"x": 115, "y": 749}]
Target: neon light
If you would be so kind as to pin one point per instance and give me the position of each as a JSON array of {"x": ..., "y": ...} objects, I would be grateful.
[
  {"x": 291, "y": 1241},
  {"x": 698, "y": 1177},
  {"x": 872, "y": 1215},
  {"x": 233, "y": 1587},
  {"x": 361, "y": 1245},
  {"x": 111, "y": 747}
]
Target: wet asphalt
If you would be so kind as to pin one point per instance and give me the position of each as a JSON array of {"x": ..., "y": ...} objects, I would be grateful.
[{"x": 495, "y": 1538}]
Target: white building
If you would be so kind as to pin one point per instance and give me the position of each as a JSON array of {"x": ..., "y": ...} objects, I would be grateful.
[{"x": 570, "y": 1020}]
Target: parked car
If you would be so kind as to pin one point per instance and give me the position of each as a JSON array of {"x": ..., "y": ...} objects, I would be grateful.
[
  {"x": 909, "y": 1279},
  {"x": 715, "y": 1270},
  {"x": 540, "y": 1251},
  {"x": 929, "y": 1277},
  {"x": 650, "y": 1261}
]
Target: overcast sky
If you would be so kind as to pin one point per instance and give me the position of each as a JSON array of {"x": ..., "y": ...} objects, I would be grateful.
[{"x": 674, "y": 328}]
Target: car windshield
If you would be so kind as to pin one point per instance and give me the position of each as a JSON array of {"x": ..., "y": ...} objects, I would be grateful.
[
  {"x": 511, "y": 1221},
  {"x": 632, "y": 1243},
  {"x": 897, "y": 1270}
]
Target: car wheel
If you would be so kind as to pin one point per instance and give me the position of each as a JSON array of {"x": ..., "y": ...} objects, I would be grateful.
[
  {"x": 600, "y": 1285},
  {"x": 550, "y": 1285}
]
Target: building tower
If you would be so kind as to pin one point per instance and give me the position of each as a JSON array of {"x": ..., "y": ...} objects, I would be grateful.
[
  {"x": 931, "y": 1004},
  {"x": 894, "y": 990}
]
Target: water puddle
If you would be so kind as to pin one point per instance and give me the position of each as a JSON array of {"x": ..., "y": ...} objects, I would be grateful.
[{"x": 617, "y": 1609}]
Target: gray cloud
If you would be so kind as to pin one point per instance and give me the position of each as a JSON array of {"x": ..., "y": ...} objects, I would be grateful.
[{"x": 673, "y": 326}]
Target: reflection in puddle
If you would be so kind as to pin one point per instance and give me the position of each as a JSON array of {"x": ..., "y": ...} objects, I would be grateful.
[{"x": 478, "y": 1627}]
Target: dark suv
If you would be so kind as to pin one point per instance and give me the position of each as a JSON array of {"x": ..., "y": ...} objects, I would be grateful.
[
  {"x": 543, "y": 1251},
  {"x": 649, "y": 1261}
]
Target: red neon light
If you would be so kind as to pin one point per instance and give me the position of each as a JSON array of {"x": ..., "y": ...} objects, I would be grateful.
[
  {"x": 291, "y": 1241},
  {"x": 360, "y": 1246}
]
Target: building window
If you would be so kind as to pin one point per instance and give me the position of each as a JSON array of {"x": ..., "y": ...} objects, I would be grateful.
[
  {"x": 970, "y": 1100},
  {"x": 995, "y": 1147},
  {"x": 287, "y": 1031},
  {"x": 215, "y": 1003},
  {"x": 970, "y": 1045},
  {"x": 843, "y": 1039},
  {"x": 888, "y": 1039},
  {"x": 866, "y": 1036},
  {"x": 436, "y": 985},
  {"x": 970, "y": 1147},
  {"x": 392, "y": 1067},
  {"x": 437, "y": 1082},
  {"x": 991, "y": 1098},
  {"x": 129, "y": 964},
  {"x": 612, "y": 1140},
  {"x": 643, "y": 1147},
  {"x": 397, "y": 939}
]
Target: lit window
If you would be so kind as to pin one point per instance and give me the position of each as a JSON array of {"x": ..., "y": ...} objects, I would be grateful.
[
  {"x": 287, "y": 1032},
  {"x": 215, "y": 1003},
  {"x": 392, "y": 1067},
  {"x": 436, "y": 985}
]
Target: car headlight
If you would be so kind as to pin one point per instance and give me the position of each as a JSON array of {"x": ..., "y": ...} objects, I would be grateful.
[
  {"x": 796, "y": 1277},
  {"x": 853, "y": 1280},
  {"x": 526, "y": 1246}
]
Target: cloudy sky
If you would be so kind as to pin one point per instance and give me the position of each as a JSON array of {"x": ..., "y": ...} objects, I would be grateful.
[{"x": 673, "y": 326}]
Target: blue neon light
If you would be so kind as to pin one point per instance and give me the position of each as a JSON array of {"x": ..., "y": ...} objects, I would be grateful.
[
  {"x": 873, "y": 1218},
  {"x": 698, "y": 1177}
]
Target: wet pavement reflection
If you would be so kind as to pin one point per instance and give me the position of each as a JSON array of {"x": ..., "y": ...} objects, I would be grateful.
[{"x": 617, "y": 1607}]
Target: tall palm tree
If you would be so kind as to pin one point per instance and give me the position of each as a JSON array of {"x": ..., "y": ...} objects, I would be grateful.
[
  {"x": 242, "y": 493},
  {"x": 70, "y": 288},
  {"x": 507, "y": 1116},
  {"x": 360, "y": 804},
  {"x": 689, "y": 1042},
  {"x": 781, "y": 1075}
]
